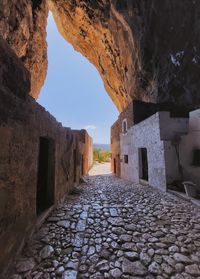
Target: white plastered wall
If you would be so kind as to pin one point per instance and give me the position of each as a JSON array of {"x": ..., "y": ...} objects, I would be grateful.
[
  {"x": 146, "y": 134},
  {"x": 156, "y": 134}
]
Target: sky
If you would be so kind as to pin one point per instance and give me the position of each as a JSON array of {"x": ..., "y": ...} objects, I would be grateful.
[{"x": 73, "y": 91}]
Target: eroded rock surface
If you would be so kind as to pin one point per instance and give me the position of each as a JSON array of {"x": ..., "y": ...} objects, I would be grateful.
[
  {"x": 23, "y": 26},
  {"x": 149, "y": 50},
  {"x": 150, "y": 235}
]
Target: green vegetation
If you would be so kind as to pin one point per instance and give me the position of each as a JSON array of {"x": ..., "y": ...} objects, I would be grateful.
[{"x": 101, "y": 155}]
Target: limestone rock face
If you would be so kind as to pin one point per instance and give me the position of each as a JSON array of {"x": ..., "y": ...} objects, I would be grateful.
[
  {"x": 23, "y": 26},
  {"x": 101, "y": 33},
  {"x": 149, "y": 50}
]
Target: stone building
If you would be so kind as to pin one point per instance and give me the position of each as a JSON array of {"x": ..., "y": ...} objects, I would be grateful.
[
  {"x": 124, "y": 122},
  {"x": 40, "y": 161},
  {"x": 162, "y": 146},
  {"x": 143, "y": 50}
]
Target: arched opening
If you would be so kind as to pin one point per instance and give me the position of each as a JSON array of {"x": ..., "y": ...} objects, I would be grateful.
[
  {"x": 74, "y": 92},
  {"x": 138, "y": 56}
]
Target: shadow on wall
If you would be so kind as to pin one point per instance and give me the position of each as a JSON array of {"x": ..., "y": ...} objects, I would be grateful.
[{"x": 34, "y": 148}]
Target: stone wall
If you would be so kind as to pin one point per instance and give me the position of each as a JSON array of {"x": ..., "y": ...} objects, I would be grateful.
[
  {"x": 188, "y": 145},
  {"x": 87, "y": 157},
  {"x": 90, "y": 153},
  {"x": 158, "y": 134},
  {"x": 116, "y": 129},
  {"x": 23, "y": 26},
  {"x": 23, "y": 123},
  {"x": 146, "y": 134}
]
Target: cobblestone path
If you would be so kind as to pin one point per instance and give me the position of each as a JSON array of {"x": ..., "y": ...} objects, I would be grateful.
[{"x": 115, "y": 229}]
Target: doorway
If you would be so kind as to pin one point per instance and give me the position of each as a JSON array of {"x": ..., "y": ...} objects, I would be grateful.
[
  {"x": 143, "y": 164},
  {"x": 46, "y": 175},
  {"x": 115, "y": 166}
]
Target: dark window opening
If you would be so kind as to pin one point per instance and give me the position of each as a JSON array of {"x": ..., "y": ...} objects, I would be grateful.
[
  {"x": 126, "y": 159},
  {"x": 46, "y": 175},
  {"x": 196, "y": 158},
  {"x": 143, "y": 163},
  {"x": 124, "y": 126},
  {"x": 75, "y": 163}
]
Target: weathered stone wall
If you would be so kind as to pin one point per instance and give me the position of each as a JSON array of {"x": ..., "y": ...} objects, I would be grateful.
[
  {"x": 159, "y": 134},
  {"x": 23, "y": 26},
  {"x": 115, "y": 148},
  {"x": 22, "y": 123},
  {"x": 172, "y": 129},
  {"x": 116, "y": 130},
  {"x": 87, "y": 152},
  {"x": 146, "y": 134}
]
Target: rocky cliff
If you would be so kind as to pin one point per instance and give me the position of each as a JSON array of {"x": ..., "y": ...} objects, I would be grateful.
[
  {"x": 149, "y": 50},
  {"x": 23, "y": 26}
]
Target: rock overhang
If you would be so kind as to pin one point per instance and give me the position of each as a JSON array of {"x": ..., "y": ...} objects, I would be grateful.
[{"x": 144, "y": 50}]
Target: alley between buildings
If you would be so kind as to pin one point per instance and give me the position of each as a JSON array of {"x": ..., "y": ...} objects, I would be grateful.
[{"x": 111, "y": 228}]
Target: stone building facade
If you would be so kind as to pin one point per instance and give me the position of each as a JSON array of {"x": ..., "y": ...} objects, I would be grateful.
[
  {"x": 40, "y": 160},
  {"x": 124, "y": 122},
  {"x": 161, "y": 147},
  {"x": 150, "y": 151}
]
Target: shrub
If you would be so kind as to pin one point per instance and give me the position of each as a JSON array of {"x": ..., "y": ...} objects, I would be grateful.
[{"x": 101, "y": 155}]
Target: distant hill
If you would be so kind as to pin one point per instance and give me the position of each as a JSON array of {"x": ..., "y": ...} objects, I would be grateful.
[{"x": 101, "y": 146}]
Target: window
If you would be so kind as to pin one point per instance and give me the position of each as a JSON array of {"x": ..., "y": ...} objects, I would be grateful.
[
  {"x": 126, "y": 159},
  {"x": 124, "y": 126},
  {"x": 196, "y": 158}
]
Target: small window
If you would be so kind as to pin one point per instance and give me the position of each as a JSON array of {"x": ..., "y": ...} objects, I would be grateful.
[
  {"x": 126, "y": 159},
  {"x": 124, "y": 126},
  {"x": 196, "y": 158}
]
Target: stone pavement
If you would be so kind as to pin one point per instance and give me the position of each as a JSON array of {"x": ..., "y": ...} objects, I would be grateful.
[
  {"x": 115, "y": 229},
  {"x": 100, "y": 168}
]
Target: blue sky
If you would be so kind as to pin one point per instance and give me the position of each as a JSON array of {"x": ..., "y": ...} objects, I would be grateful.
[{"x": 73, "y": 91}]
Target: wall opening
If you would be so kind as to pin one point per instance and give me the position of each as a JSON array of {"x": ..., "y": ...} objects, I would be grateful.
[
  {"x": 124, "y": 126},
  {"x": 196, "y": 158},
  {"x": 126, "y": 159},
  {"x": 115, "y": 166},
  {"x": 73, "y": 91},
  {"x": 46, "y": 175},
  {"x": 143, "y": 164}
]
